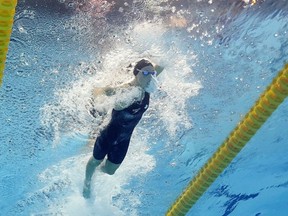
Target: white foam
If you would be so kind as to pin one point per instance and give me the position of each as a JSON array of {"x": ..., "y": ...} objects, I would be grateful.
[
  {"x": 64, "y": 182},
  {"x": 70, "y": 112}
]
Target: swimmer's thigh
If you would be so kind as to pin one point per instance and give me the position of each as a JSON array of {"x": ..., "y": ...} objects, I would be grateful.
[
  {"x": 100, "y": 147},
  {"x": 118, "y": 151}
]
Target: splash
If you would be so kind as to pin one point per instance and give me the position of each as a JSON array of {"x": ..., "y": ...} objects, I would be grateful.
[
  {"x": 69, "y": 113},
  {"x": 62, "y": 183}
]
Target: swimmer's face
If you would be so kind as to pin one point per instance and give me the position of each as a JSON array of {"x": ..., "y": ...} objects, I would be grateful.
[{"x": 144, "y": 79}]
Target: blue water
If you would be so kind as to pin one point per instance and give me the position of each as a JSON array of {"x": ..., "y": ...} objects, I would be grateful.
[{"x": 218, "y": 58}]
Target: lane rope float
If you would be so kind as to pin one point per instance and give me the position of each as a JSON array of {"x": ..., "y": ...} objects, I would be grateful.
[
  {"x": 7, "y": 12},
  {"x": 268, "y": 102}
]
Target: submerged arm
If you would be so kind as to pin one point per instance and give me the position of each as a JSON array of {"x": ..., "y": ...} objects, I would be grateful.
[
  {"x": 108, "y": 91},
  {"x": 120, "y": 103}
]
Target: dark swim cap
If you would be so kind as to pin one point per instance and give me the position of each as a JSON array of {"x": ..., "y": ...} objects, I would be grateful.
[{"x": 141, "y": 64}]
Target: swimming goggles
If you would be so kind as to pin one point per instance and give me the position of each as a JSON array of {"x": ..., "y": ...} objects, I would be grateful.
[{"x": 146, "y": 73}]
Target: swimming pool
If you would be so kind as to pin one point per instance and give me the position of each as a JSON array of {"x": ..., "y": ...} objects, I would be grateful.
[{"x": 218, "y": 58}]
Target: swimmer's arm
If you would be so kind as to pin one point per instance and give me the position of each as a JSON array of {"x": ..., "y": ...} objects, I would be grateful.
[
  {"x": 158, "y": 69},
  {"x": 108, "y": 91},
  {"x": 122, "y": 104}
]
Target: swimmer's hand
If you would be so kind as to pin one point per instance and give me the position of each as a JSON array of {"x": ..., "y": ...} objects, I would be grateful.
[{"x": 158, "y": 69}]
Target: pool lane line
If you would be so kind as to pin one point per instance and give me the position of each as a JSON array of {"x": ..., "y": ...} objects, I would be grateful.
[
  {"x": 7, "y": 12},
  {"x": 268, "y": 102}
]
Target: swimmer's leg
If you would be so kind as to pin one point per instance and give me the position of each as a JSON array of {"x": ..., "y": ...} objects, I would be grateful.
[
  {"x": 99, "y": 152},
  {"x": 116, "y": 155},
  {"x": 109, "y": 167},
  {"x": 90, "y": 169}
]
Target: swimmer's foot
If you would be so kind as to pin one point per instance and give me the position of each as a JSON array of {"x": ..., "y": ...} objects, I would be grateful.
[{"x": 87, "y": 189}]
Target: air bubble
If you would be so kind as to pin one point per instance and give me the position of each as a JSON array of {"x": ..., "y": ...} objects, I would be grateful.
[
  {"x": 21, "y": 29},
  {"x": 71, "y": 4},
  {"x": 121, "y": 10}
]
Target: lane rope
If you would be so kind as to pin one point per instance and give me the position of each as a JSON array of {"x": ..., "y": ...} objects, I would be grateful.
[
  {"x": 7, "y": 12},
  {"x": 268, "y": 102}
]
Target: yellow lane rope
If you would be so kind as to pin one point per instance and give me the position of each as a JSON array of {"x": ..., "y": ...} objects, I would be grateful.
[
  {"x": 271, "y": 98},
  {"x": 7, "y": 12}
]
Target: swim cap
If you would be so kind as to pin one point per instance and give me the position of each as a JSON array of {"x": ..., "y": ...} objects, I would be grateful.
[{"x": 141, "y": 64}]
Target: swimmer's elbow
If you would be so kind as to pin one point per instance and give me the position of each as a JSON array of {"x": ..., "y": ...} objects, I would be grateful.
[{"x": 98, "y": 91}]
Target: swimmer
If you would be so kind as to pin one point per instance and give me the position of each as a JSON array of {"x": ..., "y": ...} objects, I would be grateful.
[{"x": 113, "y": 140}]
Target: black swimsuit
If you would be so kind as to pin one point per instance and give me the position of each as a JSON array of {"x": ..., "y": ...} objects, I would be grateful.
[{"x": 114, "y": 140}]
